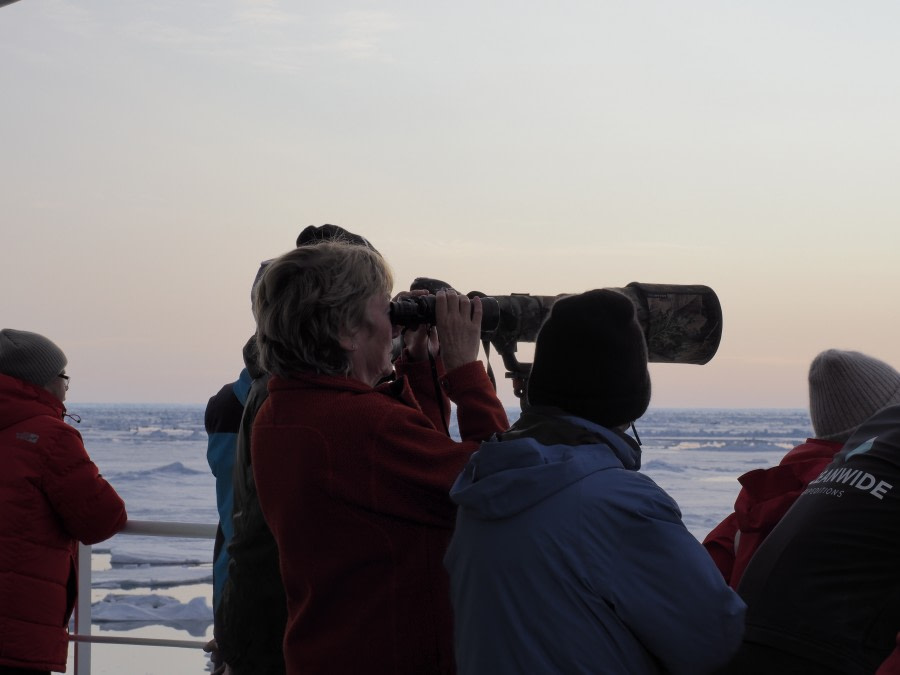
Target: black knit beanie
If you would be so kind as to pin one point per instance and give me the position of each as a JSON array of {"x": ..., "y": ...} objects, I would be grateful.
[
  {"x": 313, "y": 234},
  {"x": 590, "y": 359}
]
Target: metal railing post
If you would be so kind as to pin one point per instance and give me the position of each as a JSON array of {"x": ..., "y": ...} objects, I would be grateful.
[
  {"x": 82, "y": 636},
  {"x": 83, "y": 611}
]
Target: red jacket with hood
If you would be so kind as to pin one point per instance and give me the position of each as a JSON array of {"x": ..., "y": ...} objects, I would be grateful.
[
  {"x": 765, "y": 496},
  {"x": 51, "y": 497}
]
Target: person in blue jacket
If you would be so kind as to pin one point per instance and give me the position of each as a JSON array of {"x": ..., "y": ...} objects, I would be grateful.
[
  {"x": 222, "y": 421},
  {"x": 248, "y": 596},
  {"x": 566, "y": 559}
]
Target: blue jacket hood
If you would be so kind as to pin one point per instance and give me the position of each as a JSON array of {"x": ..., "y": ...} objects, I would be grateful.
[{"x": 519, "y": 468}]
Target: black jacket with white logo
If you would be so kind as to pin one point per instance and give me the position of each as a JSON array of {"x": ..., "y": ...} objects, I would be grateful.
[{"x": 825, "y": 585}]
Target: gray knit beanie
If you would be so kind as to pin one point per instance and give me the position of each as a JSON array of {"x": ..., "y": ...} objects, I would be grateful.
[
  {"x": 846, "y": 389},
  {"x": 30, "y": 357}
]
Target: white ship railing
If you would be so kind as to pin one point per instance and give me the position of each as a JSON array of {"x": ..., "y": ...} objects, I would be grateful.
[{"x": 82, "y": 636}]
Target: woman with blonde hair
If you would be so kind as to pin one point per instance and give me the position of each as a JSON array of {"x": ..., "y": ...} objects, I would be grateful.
[{"x": 353, "y": 461}]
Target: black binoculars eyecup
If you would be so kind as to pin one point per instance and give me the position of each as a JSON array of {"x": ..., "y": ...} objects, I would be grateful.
[{"x": 417, "y": 310}]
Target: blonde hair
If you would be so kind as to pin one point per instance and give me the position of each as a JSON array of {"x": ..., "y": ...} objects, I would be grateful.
[{"x": 308, "y": 298}]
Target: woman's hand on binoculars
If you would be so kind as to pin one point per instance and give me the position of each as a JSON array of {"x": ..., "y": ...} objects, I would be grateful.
[
  {"x": 423, "y": 340},
  {"x": 459, "y": 324}
]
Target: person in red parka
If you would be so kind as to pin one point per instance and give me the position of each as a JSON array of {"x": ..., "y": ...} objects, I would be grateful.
[
  {"x": 845, "y": 389},
  {"x": 51, "y": 497},
  {"x": 353, "y": 468}
]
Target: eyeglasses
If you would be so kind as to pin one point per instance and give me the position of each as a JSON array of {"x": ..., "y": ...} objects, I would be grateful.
[{"x": 66, "y": 378}]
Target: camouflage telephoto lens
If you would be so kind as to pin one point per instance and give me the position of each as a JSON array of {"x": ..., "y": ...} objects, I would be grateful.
[{"x": 681, "y": 323}]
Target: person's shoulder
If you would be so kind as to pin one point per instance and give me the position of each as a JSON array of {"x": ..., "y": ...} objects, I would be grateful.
[
  {"x": 57, "y": 438},
  {"x": 812, "y": 449},
  {"x": 635, "y": 491},
  {"x": 223, "y": 411},
  {"x": 221, "y": 397},
  {"x": 49, "y": 419},
  {"x": 879, "y": 432},
  {"x": 322, "y": 399}
]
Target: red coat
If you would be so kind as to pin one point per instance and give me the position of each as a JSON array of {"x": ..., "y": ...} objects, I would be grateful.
[
  {"x": 765, "y": 497},
  {"x": 51, "y": 497},
  {"x": 354, "y": 482}
]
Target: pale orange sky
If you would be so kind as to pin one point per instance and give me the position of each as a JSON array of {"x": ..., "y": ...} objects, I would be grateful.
[{"x": 154, "y": 153}]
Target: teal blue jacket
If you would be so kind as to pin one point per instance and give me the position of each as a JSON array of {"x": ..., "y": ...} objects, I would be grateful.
[{"x": 222, "y": 421}]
